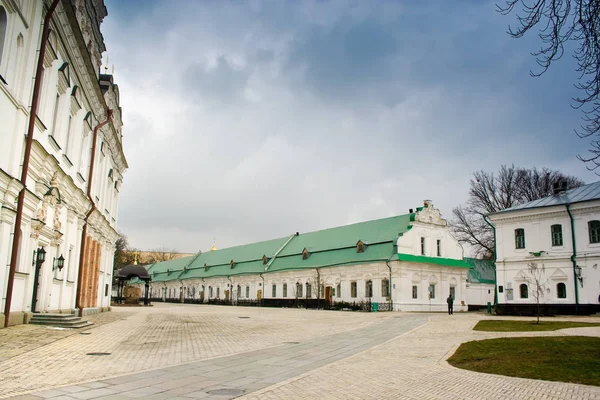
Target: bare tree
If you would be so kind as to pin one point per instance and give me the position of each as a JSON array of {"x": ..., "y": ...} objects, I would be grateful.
[
  {"x": 124, "y": 255},
  {"x": 161, "y": 254},
  {"x": 561, "y": 22},
  {"x": 537, "y": 279},
  {"x": 491, "y": 193}
]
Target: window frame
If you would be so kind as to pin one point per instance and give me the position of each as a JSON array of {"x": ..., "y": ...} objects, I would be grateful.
[
  {"x": 285, "y": 290},
  {"x": 594, "y": 231},
  {"x": 556, "y": 235},
  {"x": 523, "y": 291},
  {"x": 353, "y": 289},
  {"x": 559, "y": 291},
  {"x": 439, "y": 247},
  {"x": 519, "y": 238},
  {"x": 431, "y": 291},
  {"x": 415, "y": 291},
  {"x": 423, "y": 245},
  {"x": 385, "y": 287}
]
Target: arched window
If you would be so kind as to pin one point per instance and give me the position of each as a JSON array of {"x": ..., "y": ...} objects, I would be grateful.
[
  {"x": 3, "y": 24},
  {"x": 523, "y": 291},
  {"x": 519, "y": 238},
  {"x": 557, "y": 237},
  {"x": 594, "y": 230},
  {"x": 285, "y": 290},
  {"x": 561, "y": 291},
  {"x": 308, "y": 290}
]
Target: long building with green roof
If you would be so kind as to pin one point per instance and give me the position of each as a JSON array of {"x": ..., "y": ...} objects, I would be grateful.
[{"x": 409, "y": 261}]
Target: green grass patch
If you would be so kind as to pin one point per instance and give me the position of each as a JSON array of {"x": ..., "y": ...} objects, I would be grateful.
[
  {"x": 527, "y": 326},
  {"x": 574, "y": 359}
]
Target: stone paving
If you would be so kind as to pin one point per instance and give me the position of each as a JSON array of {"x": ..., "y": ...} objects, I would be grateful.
[{"x": 217, "y": 352}]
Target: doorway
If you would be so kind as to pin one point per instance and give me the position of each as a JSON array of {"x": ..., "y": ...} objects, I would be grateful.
[{"x": 328, "y": 295}]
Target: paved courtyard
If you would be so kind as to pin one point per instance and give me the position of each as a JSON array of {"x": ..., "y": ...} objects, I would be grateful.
[{"x": 188, "y": 351}]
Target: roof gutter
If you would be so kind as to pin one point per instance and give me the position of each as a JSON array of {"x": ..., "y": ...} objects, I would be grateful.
[
  {"x": 21, "y": 200},
  {"x": 485, "y": 218},
  {"x": 574, "y": 258},
  {"x": 387, "y": 263}
]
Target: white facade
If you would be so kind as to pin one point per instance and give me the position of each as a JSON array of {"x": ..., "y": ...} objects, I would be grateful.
[
  {"x": 426, "y": 265},
  {"x": 563, "y": 286},
  {"x": 74, "y": 100}
]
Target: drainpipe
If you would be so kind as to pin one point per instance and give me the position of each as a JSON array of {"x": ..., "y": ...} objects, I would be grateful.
[
  {"x": 78, "y": 296},
  {"x": 387, "y": 262},
  {"x": 24, "y": 171},
  {"x": 494, "y": 260},
  {"x": 574, "y": 259}
]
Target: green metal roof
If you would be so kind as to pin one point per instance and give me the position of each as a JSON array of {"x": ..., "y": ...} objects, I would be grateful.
[
  {"x": 370, "y": 232},
  {"x": 482, "y": 271},
  {"x": 446, "y": 262}
]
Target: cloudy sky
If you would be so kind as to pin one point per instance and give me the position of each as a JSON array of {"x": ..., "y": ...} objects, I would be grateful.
[{"x": 246, "y": 121}]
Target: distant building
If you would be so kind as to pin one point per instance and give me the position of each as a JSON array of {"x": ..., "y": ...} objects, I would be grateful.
[
  {"x": 409, "y": 262},
  {"x": 559, "y": 233},
  {"x": 72, "y": 193}
]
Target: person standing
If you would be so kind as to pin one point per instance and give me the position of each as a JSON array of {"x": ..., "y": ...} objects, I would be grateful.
[{"x": 450, "y": 302}]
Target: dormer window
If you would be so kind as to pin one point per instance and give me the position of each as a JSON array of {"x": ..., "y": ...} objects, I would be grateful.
[
  {"x": 360, "y": 246},
  {"x": 265, "y": 259},
  {"x": 232, "y": 264},
  {"x": 305, "y": 253},
  {"x": 205, "y": 267}
]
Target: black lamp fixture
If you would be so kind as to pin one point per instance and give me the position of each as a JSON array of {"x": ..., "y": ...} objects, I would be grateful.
[
  {"x": 39, "y": 256},
  {"x": 578, "y": 274},
  {"x": 58, "y": 263}
]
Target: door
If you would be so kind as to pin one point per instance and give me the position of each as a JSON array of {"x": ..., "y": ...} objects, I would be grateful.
[
  {"x": 328, "y": 295},
  {"x": 227, "y": 295},
  {"x": 259, "y": 295}
]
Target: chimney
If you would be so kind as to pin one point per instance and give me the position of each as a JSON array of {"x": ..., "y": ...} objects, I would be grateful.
[{"x": 559, "y": 187}]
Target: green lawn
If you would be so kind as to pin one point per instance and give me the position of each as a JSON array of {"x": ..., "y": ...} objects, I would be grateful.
[
  {"x": 573, "y": 359},
  {"x": 523, "y": 326}
]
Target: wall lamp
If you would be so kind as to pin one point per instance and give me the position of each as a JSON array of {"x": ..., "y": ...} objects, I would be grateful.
[
  {"x": 58, "y": 263},
  {"x": 39, "y": 256}
]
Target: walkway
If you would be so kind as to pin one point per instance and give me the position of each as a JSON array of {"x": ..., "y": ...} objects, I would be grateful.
[{"x": 337, "y": 355}]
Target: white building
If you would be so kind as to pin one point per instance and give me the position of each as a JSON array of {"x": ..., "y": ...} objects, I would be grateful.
[
  {"x": 71, "y": 193},
  {"x": 559, "y": 234},
  {"x": 410, "y": 261}
]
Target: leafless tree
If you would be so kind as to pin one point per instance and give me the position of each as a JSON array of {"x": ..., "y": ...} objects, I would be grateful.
[
  {"x": 561, "y": 22},
  {"x": 491, "y": 193},
  {"x": 537, "y": 280},
  {"x": 124, "y": 255},
  {"x": 161, "y": 254}
]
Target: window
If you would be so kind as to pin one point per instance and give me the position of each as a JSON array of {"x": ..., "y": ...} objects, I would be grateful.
[
  {"x": 594, "y": 229},
  {"x": 239, "y": 291},
  {"x": 210, "y": 292},
  {"x": 432, "y": 291},
  {"x": 524, "y": 291},
  {"x": 285, "y": 290},
  {"x": 519, "y": 238},
  {"x": 298, "y": 290},
  {"x": 218, "y": 294},
  {"x": 247, "y": 292},
  {"x": 3, "y": 23},
  {"x": 308, "y": 290},
  {"x": 453, "y": 292},
  {"x": 274, "y": 291},
  {"x": 385, "y": 288},
  {"x": 561, "y": 291},
  {"x": 415, "y": 292},
  {"x": 422, "y": 246},
  {"x": 55, "y": 116},
  {"x": 439, "y": 248},
  {"x": 369, "y": 289},
  {"x": 557, "y": 238},
  {"x": 338, "y": 290},
  {"x": 353, "y": 289}
]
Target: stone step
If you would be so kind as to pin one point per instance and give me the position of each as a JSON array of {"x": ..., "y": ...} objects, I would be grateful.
[{"x": 59, "y": 320}]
